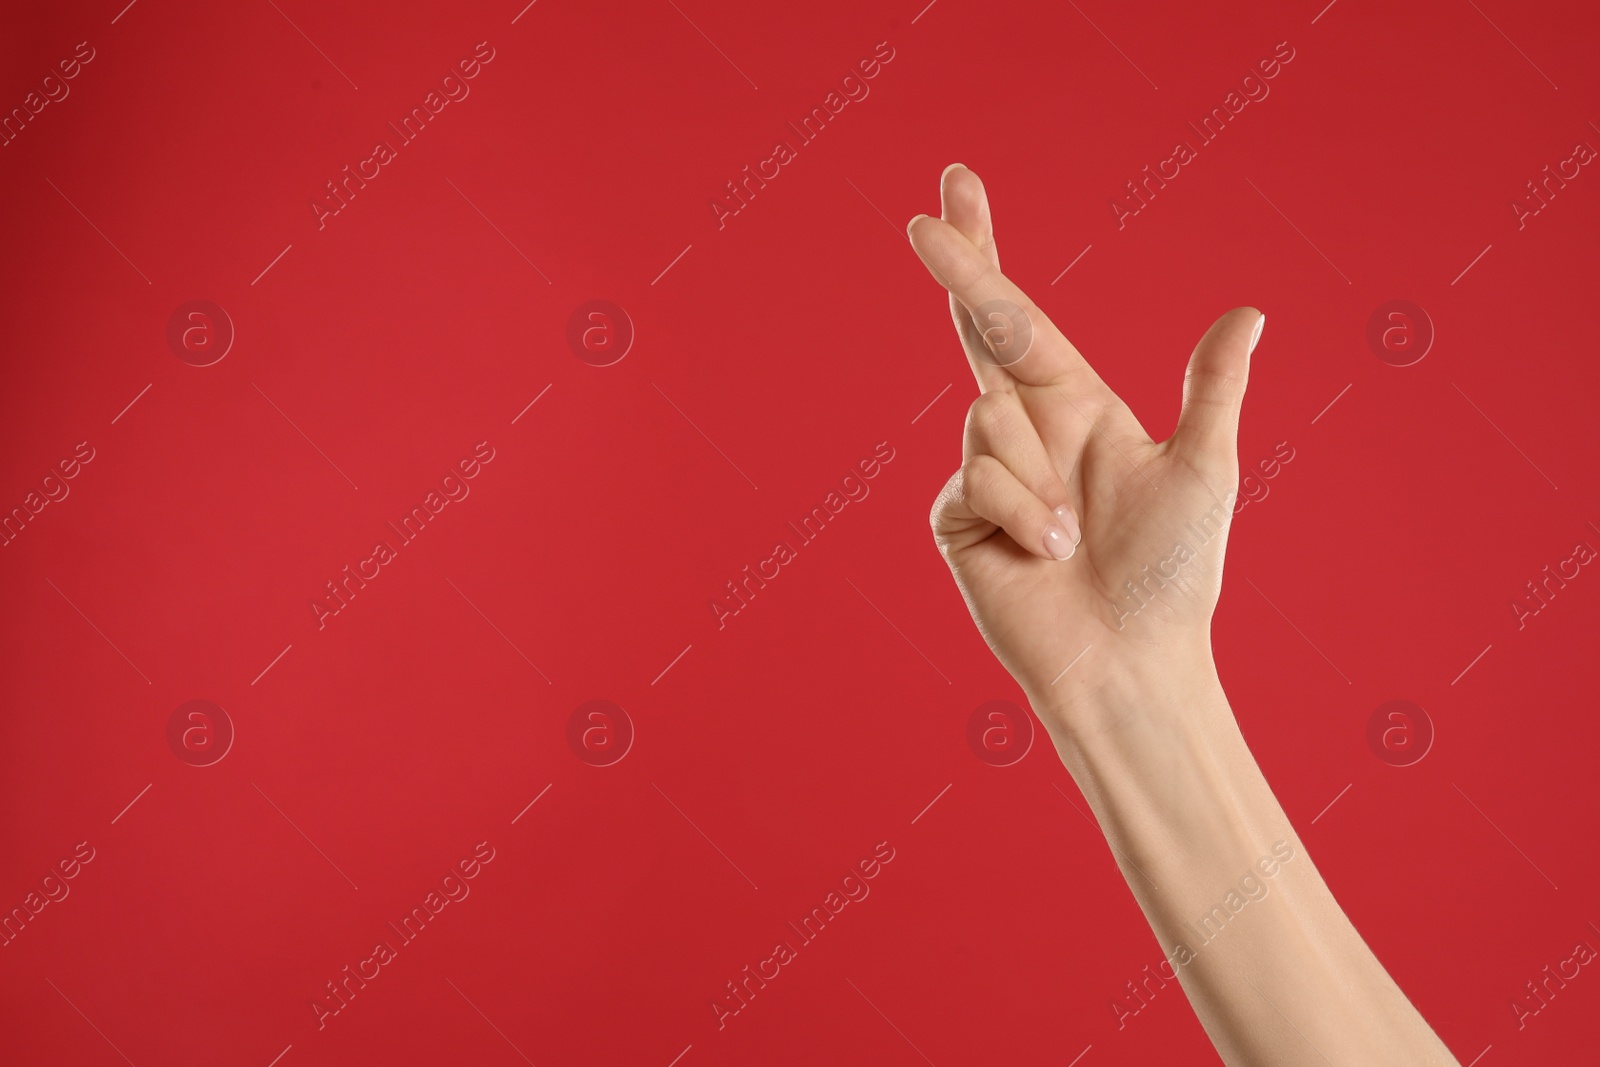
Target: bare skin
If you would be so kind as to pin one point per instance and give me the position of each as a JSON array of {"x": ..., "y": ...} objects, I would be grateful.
[{"x": 1112, "y": 645}]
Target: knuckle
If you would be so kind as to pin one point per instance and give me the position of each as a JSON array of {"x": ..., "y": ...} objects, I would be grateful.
[
  {"x": 1213, "y": 385},
  {"x": 989, "y": 411},
  {"x": 971, "y": 269},
  {"x": 980, "y": 476}
]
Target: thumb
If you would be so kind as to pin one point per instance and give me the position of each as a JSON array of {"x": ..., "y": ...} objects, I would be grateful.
[{"x": 1213, "y": 390}]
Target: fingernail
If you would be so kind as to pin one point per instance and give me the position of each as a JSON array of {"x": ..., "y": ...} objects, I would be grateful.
[
  {"x": 913, "y": 222},
  {"x": 1070, "y": 521},
  {"x": 1256, "y": 337},
  {"x": 944, "y": 173},
  {"x": 1058, "y": 542}
]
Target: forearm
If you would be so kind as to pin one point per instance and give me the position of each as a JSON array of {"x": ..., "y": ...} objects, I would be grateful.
[{"x": 1273, "y": 968}]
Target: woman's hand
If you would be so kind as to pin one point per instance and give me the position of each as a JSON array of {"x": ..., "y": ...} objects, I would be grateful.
[
  {"x": 1089, "y": 555},
  {"x": 1110, "y": 638}
]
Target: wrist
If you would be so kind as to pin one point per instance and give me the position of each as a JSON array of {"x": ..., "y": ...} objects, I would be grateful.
[
  {"x": 1161, "y": 761},
  {"x": 1160, "y": 758},
  {"x": 1114, "y": 702}
]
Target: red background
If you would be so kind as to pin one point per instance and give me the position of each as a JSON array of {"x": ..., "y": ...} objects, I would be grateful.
[{"x": 376, "y": 351}]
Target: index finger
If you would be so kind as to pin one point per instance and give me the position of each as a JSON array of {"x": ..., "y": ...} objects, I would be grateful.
[{"x": 1024, "y": 340}]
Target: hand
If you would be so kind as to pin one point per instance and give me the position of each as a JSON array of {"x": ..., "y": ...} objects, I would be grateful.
[{"x": 1073, "y": 536}]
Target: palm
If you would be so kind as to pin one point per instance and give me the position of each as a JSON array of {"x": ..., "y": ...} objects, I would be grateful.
[
  {"x": 1134, "y": 502},
  {"x": 1153, "y": 516}
]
